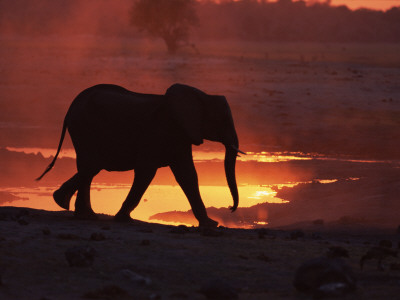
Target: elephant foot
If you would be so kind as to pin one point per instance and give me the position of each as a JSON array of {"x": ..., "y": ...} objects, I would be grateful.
[
  {"x": 123, "y": 218},
  {"x": 85, "y": 215},
  {"x": 62, "y": 199},
  {"x": 208, "y": 223}
]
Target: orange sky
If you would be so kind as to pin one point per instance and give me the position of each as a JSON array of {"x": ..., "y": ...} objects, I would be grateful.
[{"x": 373, "y": 4}]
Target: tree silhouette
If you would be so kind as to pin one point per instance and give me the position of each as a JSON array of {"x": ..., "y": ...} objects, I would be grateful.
[{"x": 168, "y": 19}]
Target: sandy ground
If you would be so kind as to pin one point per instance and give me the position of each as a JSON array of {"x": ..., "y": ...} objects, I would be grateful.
[{"x": 150, "y": 261}]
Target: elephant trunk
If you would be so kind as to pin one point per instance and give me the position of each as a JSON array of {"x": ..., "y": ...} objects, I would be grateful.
[{"x": 230, "y": 163}]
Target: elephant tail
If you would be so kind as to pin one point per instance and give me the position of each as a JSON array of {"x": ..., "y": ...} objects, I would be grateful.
[{"x": 51, "y": 165}]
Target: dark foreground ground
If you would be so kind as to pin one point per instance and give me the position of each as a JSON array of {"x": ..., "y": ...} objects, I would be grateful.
[{"x": 151, "y": 261}]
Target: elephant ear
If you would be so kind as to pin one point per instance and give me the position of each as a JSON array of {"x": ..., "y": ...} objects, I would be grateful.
[{"x": 187, "y": 109}]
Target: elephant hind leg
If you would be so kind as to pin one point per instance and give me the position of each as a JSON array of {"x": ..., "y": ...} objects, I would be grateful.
[
  {"x": 142, "y": 180},
  {"x": 83, "y": 208},
  {"x": 63, "y": 195}
]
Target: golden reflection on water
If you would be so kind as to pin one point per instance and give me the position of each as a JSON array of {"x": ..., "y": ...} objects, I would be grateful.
[{"x": 107, "y": 199}]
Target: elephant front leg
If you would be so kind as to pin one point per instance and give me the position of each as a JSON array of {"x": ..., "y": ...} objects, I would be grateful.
[
  {"x": 186, "y": 176},
  {"x": 143, "y": 178}
]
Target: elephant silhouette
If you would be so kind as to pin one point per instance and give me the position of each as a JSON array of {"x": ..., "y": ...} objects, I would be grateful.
[{"x": 115, "y": 129}]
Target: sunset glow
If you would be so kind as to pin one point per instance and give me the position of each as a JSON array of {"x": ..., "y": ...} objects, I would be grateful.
[{"x": 370, "y": 4}]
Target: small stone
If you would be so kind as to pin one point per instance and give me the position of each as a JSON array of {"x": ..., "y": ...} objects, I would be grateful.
[
  {"x": 219, "y": 289},
  {"x": 378, "y": 253},
  {"x": 97, "y": 236},
  {"x": 80, "y": 256},
  {"x": 325, "y": 277},
  {"x": 136, "y": 278}
]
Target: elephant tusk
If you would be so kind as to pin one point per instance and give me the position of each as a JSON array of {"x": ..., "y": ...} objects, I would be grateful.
[{"x": 237, "y": 150}]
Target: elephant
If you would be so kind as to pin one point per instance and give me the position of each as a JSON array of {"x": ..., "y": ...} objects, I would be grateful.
[{"x": 115, "y": 129}]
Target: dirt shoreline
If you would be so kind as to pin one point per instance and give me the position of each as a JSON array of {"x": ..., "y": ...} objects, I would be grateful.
[{"x": 151, "y": 261}]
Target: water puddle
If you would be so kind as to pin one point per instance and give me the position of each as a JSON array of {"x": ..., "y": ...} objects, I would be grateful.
[{"x": 108, "y": 198}]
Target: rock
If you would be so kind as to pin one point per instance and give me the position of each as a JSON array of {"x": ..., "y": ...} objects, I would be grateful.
[
  {"x": 97, "y": 236},
  {"x": 378, "y": 253},
  {"x": 136, "y": 278},
  {"x": 107, "y": 292},
  {"x": 219, "y": 289},
  {"x": 80, "y": 256},
  {"x": 324, "y": 276}
]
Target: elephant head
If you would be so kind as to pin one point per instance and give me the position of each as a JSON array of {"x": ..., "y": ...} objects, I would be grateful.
[{"x": 203, "y": 116}]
